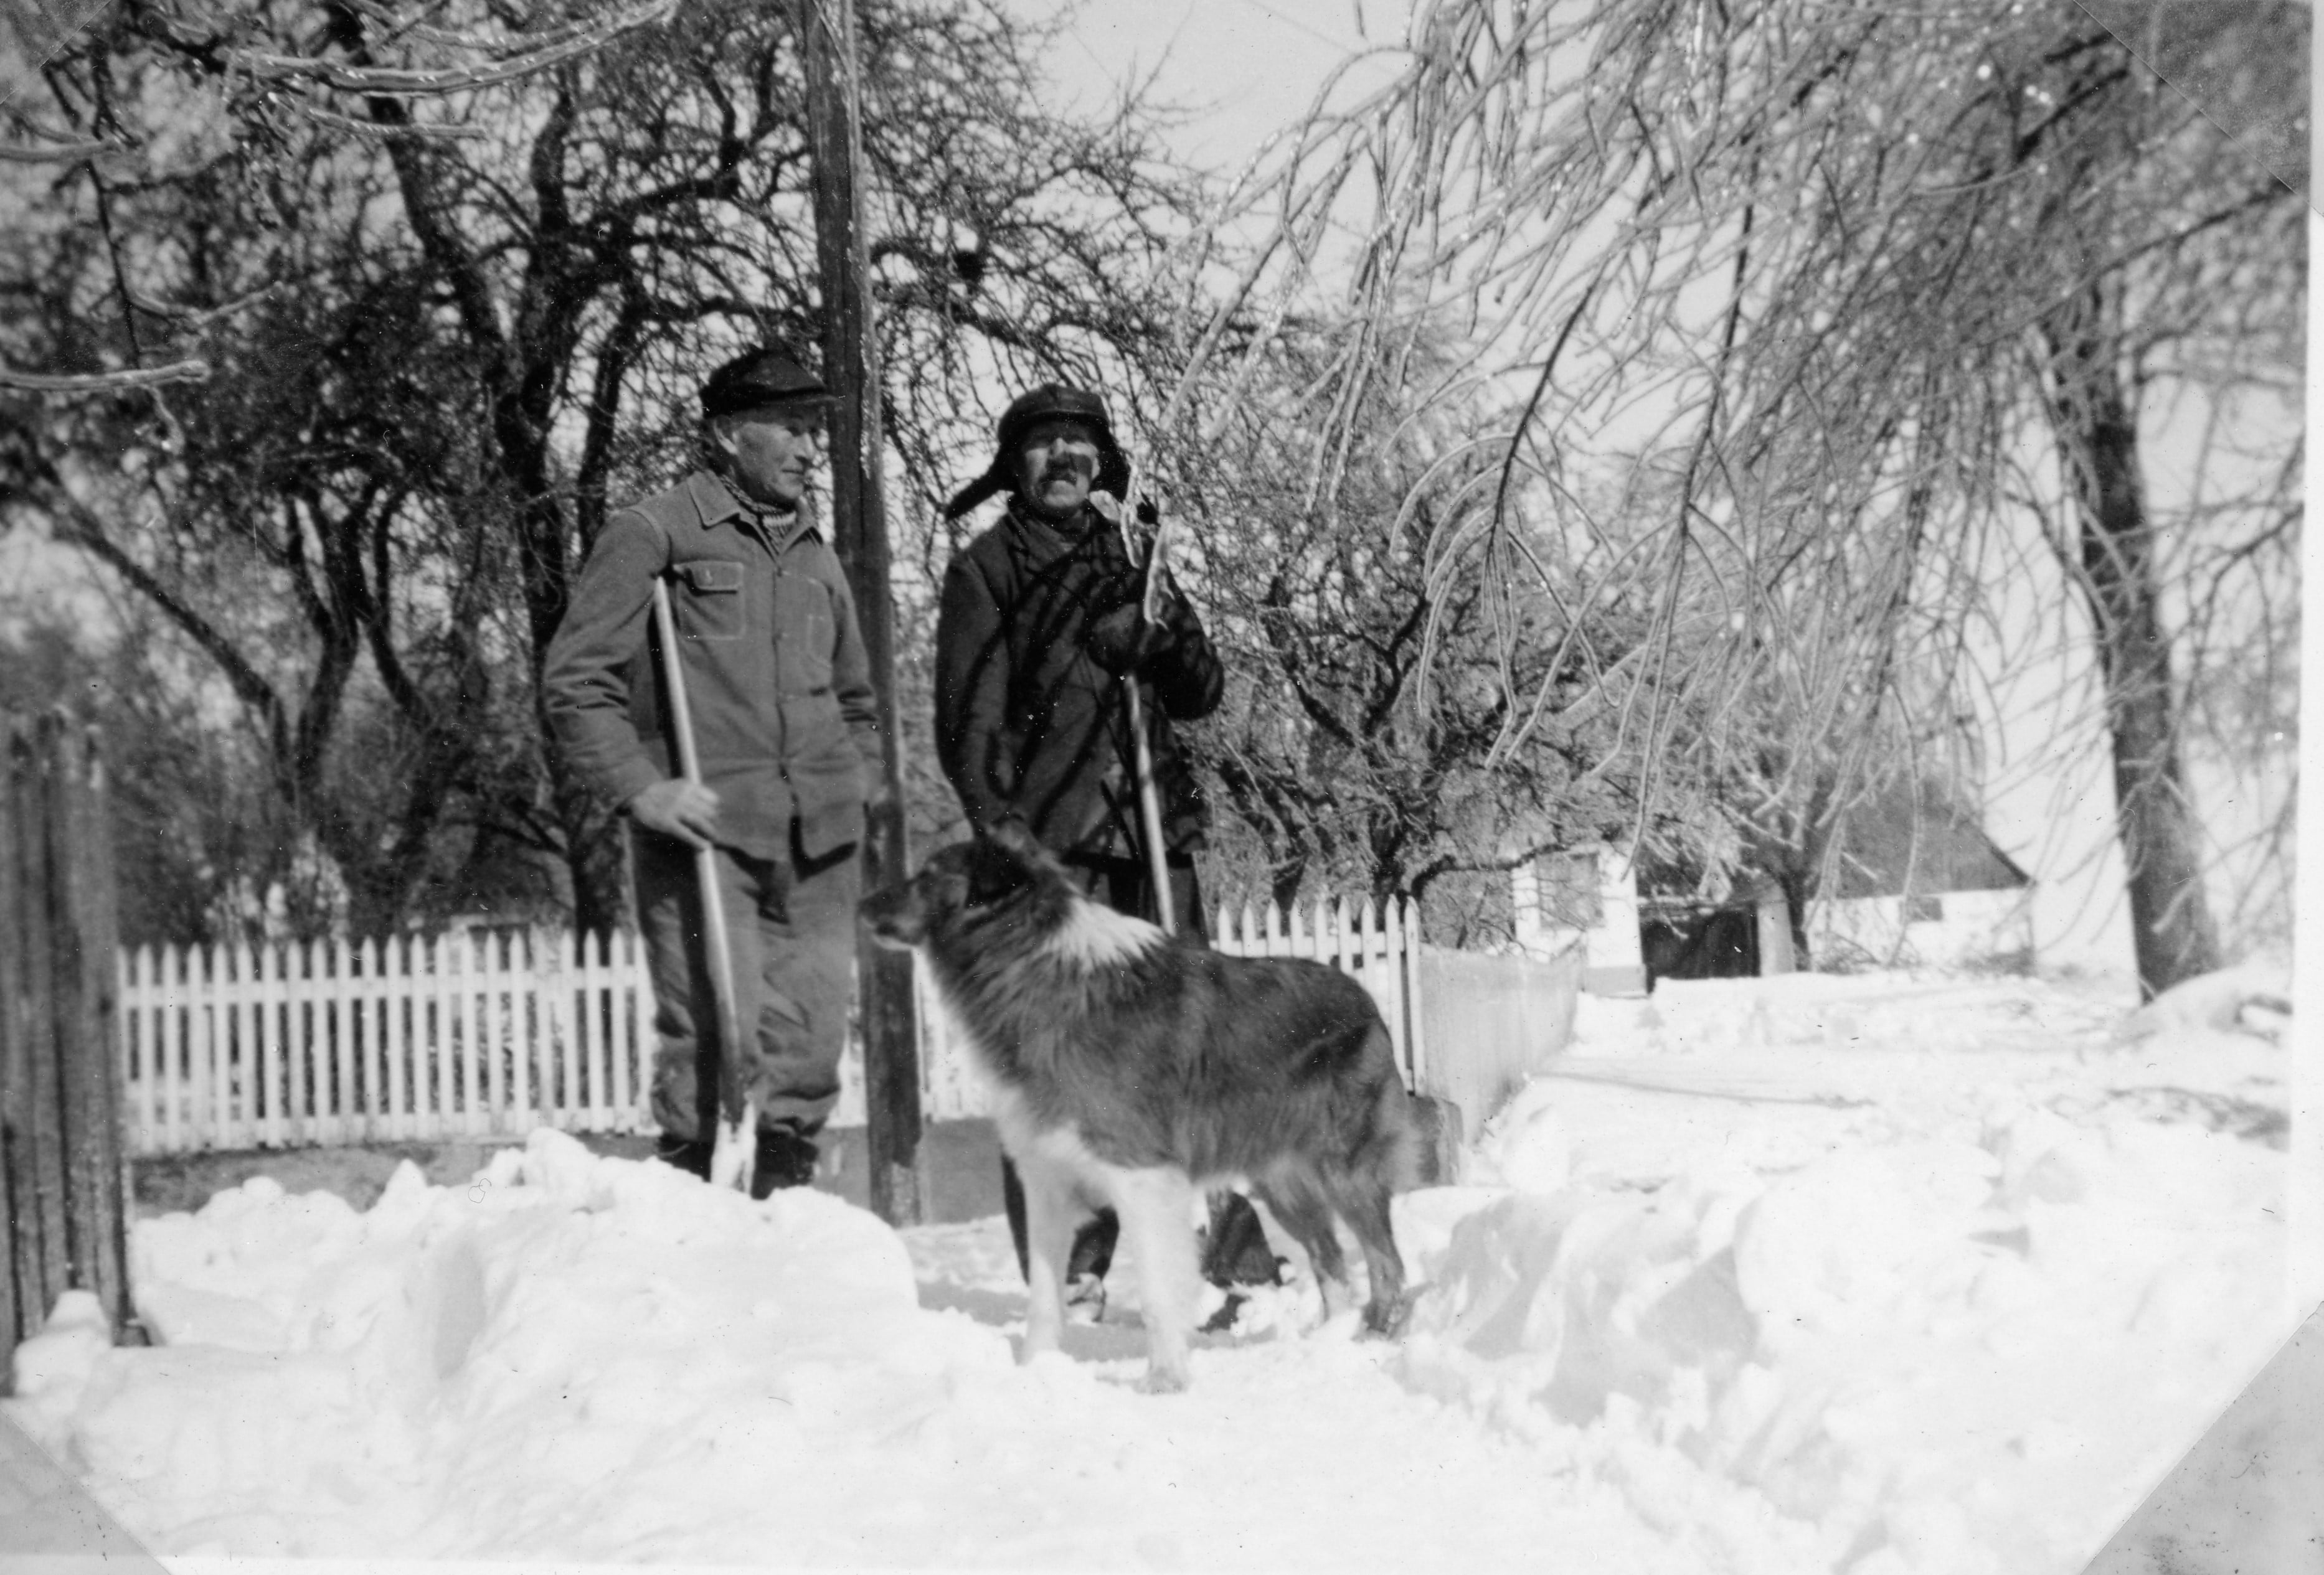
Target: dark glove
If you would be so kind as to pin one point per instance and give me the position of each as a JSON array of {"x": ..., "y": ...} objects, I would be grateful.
[{"x": 1123, "y": 639}]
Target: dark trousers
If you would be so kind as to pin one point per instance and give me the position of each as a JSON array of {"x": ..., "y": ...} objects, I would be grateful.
[
  {"x": 1236, "y": 1252},
  {"x": 790, "y": 930}
]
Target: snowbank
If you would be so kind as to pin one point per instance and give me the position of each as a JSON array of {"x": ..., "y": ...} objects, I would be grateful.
[
  {"x": 1947, "y": 1326},
  {"x": 328, "y": 1380},
  {"x": 1875, "y": 1275},
  {"x": 593, "y": 1359}
]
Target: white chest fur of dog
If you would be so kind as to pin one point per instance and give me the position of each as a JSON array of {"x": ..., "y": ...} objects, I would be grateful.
[
  {"x": 1097, "y": 937},
  {"x": 1062, "y": 1182}
]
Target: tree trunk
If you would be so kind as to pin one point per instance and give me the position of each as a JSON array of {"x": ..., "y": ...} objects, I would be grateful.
[
  {"x": 2098, "y": 440},
  {"x": 859, "y": 517}
]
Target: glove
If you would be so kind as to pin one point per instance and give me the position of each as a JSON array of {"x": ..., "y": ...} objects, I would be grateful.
[{"x": 1123, "y": 640}]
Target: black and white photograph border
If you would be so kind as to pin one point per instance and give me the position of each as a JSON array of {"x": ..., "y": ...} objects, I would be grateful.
[{"x": 1756, "y": 555}]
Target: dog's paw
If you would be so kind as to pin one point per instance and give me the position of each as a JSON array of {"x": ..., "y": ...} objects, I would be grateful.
[
  {"x": 1164, "y": 1381},
  {"x": 1388, "y": 1321},
  {"x": 1050, "y": 1366}
]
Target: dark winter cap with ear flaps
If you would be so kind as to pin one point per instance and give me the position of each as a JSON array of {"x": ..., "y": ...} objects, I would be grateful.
[
  {"x": 758, "y": 378},
  {"x": 1052, "y": 401}
]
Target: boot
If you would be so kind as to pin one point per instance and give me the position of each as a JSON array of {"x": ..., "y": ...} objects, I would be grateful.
[
  {"x": 786, "y": 1159},
  {"x": 691, "y": 1154},
  {"x": 1085, "y": 1299},
  {"x": 1235, "y": 1250},
  {"x": 1236, "y": 1258}
]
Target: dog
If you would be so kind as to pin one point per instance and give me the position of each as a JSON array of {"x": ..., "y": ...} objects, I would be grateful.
[{"x": 1132, "y": 1070}]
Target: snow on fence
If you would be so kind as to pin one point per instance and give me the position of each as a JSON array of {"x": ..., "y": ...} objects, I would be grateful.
[{"x": 490, "y": 1033}]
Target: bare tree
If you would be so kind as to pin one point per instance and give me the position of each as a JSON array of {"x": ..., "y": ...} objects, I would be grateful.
[
  {"x": 457, "y": 280},
  {"x": 1786, "y": 287}
]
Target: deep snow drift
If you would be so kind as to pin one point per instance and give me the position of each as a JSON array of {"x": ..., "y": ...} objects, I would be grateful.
[{"x": 1875, "y": 1274}]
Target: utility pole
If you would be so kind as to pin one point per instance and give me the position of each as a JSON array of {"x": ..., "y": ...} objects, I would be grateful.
[{"x": 850, "y": 360}]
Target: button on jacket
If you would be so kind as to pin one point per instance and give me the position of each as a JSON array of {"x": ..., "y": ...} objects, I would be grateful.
[
  {"x": 1028, "y": 723},
  {"x": 776, "y": 674}
]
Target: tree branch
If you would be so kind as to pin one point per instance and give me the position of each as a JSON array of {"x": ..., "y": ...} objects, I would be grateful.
[{"x": 134, "y": 377}]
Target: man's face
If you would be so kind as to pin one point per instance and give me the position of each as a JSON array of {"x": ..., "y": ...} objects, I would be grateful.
[
  {"x": 771, "y": 450},
  {"x": 1057, "y": 466}
]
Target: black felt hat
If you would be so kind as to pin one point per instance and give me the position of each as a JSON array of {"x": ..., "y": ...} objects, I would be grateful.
[
  {"x": 758, "y": 378},
  {"x": 1052, "y": 401}
]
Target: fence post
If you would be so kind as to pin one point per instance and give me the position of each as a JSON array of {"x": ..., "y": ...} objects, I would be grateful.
[
  {"x": 1413, "y": 1000},
  {"x": 63, "y": 1176}
]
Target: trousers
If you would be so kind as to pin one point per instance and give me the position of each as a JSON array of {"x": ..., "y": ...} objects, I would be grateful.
[{"x": 790, "y": 928}]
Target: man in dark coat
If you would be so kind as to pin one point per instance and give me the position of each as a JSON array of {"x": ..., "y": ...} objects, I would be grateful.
[
  {"x": 1041, "y": 622},
  {"x": 780, "y": 690}
]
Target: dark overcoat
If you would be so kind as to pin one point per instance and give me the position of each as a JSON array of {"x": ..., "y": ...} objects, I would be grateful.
[{"x": 1029, "y": 723}]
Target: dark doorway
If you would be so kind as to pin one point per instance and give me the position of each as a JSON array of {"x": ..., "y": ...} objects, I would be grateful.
[{"x": 1722, "y": 943}]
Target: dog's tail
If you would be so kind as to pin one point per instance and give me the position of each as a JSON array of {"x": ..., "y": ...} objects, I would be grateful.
[{"x": 1393, "y": 1137}]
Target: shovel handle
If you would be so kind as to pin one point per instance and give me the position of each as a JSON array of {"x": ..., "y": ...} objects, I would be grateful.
[
  {"x": 730, "y": 1153},
  {"x": 1149, "y": 799}
]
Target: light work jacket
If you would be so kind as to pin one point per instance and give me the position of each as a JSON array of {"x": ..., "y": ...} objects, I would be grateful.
[{"x": 777, "y": 682}]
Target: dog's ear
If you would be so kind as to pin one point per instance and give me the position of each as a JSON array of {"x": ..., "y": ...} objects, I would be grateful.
[
  {"x": 1016, "y": 839},
  {"x": 1016, "y": 836},
  {"x": 995, "y": 871}
]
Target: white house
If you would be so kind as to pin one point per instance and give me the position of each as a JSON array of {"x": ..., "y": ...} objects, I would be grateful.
[
  {"x": 1592, "y": 892},
  {"x": 1921, "y": 885},
  {"x": 1915, "y": 883}
]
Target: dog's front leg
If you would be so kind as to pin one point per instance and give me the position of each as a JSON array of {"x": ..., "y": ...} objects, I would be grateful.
[
  {"x": 1156, "y": 1224},
  {"x": 1051, "y": 1213}
]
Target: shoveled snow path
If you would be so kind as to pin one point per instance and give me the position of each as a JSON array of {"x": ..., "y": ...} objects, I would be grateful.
[{"x": 1877, "y": 1275}]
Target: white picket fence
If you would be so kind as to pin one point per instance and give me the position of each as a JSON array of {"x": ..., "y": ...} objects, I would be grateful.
[
  {"x": 476, "y": 1034},
  {"x": 488, "y": 1034}
]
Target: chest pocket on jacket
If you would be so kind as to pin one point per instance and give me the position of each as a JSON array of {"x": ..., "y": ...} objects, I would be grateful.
[
  {"x": 710, "y": 599},
  {"x": 806, "y": 629}
]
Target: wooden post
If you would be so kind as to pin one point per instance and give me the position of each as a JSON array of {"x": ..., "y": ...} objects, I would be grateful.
[
  {"x": 851, "y": 361},
  {"x": 63, "y": 1175},
  {"x": 89, "y": 1017},
  {"x": 20, "y": 1267}
]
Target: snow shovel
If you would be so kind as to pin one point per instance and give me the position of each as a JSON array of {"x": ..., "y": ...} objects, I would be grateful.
[
  {"x": 1149, "y": 802},
  {"x": 731, "y": 1152}
]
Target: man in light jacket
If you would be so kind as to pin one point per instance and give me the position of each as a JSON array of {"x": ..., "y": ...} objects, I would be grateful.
[{"x": 788, "y": 739}]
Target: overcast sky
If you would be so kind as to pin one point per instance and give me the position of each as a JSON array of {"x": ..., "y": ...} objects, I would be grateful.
[{"x": 1243, "y": 67}]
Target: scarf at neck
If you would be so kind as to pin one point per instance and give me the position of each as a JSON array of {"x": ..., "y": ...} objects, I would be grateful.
[{"x": 772, "y": 518}]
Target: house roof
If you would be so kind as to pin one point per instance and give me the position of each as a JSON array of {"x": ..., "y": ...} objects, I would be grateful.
[
  {"x": 1924, "y": 842},
  {"x": 1897, "y": 840}
]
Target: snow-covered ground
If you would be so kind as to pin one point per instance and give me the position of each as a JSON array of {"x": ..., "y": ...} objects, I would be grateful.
[{"x": 1875, "y": 1273}]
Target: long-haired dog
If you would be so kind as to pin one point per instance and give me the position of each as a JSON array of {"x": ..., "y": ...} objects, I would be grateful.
[{"x": 1130, "y": 1069}]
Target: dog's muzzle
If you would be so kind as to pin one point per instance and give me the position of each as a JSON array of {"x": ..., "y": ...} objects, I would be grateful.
[{"x": 894, "y": 918}]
